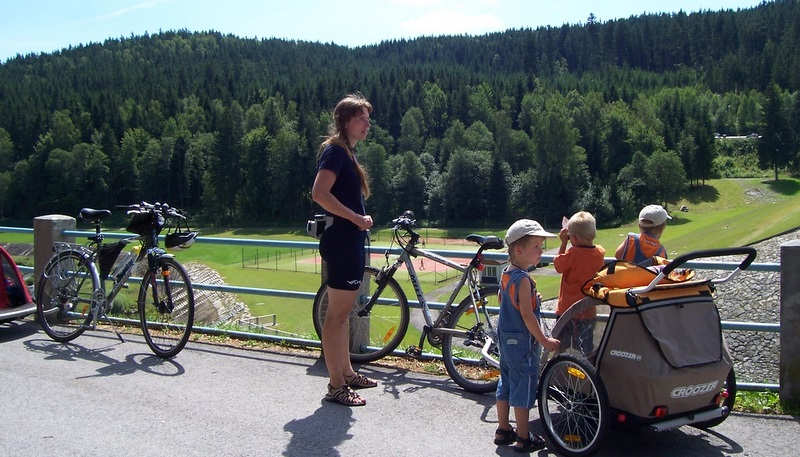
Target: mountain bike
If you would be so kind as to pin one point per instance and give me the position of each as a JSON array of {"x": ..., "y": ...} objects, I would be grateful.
[
  {"x": 464, "y": 331},
  {"x": 71, "y": 294}
]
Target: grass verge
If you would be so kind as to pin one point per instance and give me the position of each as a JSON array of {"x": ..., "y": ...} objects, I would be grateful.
[{"x": 764, "y": 403}]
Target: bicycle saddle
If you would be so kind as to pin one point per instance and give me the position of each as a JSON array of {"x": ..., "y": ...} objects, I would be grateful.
[
  {"x": 94, "y": 215},
  {"x": 488, "y": 242}
]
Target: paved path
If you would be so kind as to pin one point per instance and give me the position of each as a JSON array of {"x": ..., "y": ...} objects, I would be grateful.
[{"x": 99, "y": 397}]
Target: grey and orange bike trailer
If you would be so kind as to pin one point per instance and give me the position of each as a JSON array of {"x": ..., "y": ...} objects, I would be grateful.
[{"x": 645, "y": 348}]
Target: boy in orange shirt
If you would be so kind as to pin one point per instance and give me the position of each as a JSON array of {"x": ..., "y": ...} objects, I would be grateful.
[{"x": 577, "y": 265}]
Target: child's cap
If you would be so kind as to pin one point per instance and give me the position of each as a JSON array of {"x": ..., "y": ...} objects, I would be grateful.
[
  {"x": 525, "y": 227},
  {"x": 652, "y": 216}
]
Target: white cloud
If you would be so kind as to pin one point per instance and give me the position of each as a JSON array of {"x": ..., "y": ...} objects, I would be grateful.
[
  {"x": 445, "y": 22},
  {"x": 138, "y": 6},
  {"x": 415, "y": 3}
]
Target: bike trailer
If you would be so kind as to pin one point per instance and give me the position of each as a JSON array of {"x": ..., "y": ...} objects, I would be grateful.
[
  {"x": 666, "y": 354},
  {"x": 662, "y": 353},
  {"x": 654, "y": 354},
  {"x": 15, "y": 299}
]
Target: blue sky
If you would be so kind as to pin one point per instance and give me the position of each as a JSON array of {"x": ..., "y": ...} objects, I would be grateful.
[{"x": 48, "y": 25}]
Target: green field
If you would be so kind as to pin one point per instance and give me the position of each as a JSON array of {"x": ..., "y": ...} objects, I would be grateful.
[{"x": 723, "y": 213}]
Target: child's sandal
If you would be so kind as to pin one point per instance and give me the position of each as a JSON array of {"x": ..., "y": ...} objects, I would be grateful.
[
  {"x": 504, "y": 437},
  {"x": 344, "y": 395},
  {"x": 359, "y": 381},
  {"x": 530, "y": 444}
]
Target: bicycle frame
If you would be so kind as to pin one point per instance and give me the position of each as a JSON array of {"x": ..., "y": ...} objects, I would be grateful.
[
  {"x": 432, "y": 328},
  {"x": 101, "y": 301}
]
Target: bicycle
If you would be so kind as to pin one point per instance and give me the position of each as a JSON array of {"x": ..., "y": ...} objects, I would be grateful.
[
  {"x": 71, "y": 294},
  {"x": 464, "y": 332}
]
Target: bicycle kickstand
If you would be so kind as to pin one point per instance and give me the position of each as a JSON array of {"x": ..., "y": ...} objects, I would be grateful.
[{"x": 113, "y": 327}]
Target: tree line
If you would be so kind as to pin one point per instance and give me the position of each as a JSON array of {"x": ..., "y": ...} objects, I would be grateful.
[{"x": 604, "y": 116}]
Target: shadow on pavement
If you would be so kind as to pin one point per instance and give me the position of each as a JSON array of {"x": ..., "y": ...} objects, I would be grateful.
[
  {"x": 132, "y": 363},
  {"x": 306, "y": 437},
  {"x": 16, "y": 330},
  {"x": 684, "y": 441}
]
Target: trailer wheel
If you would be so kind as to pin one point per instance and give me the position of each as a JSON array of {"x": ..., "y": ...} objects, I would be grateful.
[{"x": 573, "y": 405}]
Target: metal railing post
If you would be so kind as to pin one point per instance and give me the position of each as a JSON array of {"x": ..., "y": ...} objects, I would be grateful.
[
  {"x": 789, "y": 376},
  {"x": 46, "y": 231}
]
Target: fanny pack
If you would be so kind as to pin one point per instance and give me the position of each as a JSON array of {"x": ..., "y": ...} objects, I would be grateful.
[{"x": 316, "y": 227}]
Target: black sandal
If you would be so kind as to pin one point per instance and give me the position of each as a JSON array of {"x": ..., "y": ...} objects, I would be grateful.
[
  {"x": 504, "y": 437},
  {"x": 344, "y": 395},
  {"x": 359, "y": 381},
  {"x": 530, "y": 444}
]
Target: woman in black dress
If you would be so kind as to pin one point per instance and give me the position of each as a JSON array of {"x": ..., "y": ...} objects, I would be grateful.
[{"x": 340, "y": 188}]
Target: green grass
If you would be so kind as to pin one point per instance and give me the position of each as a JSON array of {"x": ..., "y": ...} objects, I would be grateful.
[
  {"x": 764, "y": 403},
  {"x": 723, "y": 213}
]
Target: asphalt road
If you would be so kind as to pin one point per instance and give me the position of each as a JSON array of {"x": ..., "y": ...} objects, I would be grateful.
[{"x": 99, "y": 397}]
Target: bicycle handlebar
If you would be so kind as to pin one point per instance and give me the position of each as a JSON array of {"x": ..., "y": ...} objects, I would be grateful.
[
  {"x": 144, "y": 207},
  {"x": 406, "y": 222}
]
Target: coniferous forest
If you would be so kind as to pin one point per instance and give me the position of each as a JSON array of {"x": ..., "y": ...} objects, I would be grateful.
[{"x": 602, "y": 115}]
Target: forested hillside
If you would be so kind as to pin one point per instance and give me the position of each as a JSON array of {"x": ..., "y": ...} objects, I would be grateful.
[{"x": 604, "y": 115}]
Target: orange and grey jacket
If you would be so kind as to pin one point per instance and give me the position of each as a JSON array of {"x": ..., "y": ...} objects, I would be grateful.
[{"x": 640, "y": 247}]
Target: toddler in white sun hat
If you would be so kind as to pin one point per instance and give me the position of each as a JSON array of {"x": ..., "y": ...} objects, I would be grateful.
[
  {"x": 519, "y": 334},
  {"x": 640, "y": 248}
]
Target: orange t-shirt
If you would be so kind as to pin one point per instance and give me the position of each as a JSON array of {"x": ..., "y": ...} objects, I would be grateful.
[{"x": 577, "y": 265}]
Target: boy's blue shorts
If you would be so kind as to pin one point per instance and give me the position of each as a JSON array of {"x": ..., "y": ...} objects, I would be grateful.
[{"x": 519, "y": 370}]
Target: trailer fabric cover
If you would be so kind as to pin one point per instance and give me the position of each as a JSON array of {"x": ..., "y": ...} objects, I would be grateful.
[
  {"x": 688, "y": 334},
  {"x": 663, "y": 353}
]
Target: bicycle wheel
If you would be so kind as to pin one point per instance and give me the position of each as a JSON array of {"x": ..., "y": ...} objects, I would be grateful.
[
  {"x": 573, "y": 405},
  {"x": 64, "y": 295},
  {"x": 462, "y": 354},
  {"x": 378, "y": 333},
  {"x": 166, "y": 311}
]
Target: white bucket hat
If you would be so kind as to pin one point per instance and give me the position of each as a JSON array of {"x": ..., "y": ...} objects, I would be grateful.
[
  {"x": 653, "y": 215},
  {"x": 524, "y": 227}
]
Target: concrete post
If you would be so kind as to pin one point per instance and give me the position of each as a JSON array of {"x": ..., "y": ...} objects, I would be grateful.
[
  {"x": 790, "y": 322},
  {"x": 46, "y": 231},
  {"x": 359, "y": 326}
]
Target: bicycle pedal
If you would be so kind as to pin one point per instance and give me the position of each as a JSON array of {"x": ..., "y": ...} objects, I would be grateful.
[{"x": 414, "y": 351}]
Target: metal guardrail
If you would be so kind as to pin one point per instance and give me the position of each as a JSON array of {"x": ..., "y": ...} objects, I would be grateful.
[{"x": 727, "y": 325}]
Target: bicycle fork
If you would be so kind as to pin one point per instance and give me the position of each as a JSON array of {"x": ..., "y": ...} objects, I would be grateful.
[
  {"x": 165, "y": 306},
  {"x": 381, "y": 279}
]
